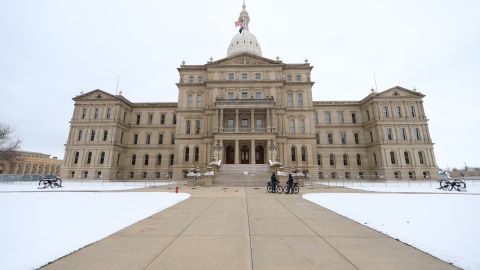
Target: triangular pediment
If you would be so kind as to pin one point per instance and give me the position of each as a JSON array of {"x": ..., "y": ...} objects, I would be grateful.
[
  {"x": 94, "y": 95},
  {"x": 245, "y": 59},
  {"x": 399, "y": 92}
]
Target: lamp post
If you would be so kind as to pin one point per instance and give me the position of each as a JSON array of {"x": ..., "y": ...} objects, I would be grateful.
[
  {"x": 217, "y": 148},
  {"x": 272, "y": 147}
]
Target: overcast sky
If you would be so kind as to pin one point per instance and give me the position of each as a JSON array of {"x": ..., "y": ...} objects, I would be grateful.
[{"x": 52, "y": 50}]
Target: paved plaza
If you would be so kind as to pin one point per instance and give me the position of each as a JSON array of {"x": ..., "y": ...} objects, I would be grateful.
[{"x": 247, "y": 228}]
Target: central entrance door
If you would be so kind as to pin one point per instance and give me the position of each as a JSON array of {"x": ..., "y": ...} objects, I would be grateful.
[
  {"x": 259, "y": 155},
  {"x": 230, "y": 155},
  {"x": 244, "y": 155}
]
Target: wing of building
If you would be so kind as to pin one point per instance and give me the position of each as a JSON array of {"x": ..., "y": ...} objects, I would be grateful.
[{"x": 248, "y": 109}]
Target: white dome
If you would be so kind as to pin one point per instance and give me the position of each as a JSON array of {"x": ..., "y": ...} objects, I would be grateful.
[{"x": 244, "y": 42}]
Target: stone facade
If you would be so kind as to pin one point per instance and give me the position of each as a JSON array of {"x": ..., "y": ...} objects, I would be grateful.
[
  {"x": 247, "y": 109},
  {"x": 31, "y": 163}
]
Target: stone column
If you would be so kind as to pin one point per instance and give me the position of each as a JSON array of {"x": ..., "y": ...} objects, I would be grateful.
[
  {"x": 252, "y": 151},
  {"x": 274, "y": 121},
  {"x": 268, "y": 120},
  {"x": 252, "y": 119},
  {"x": 236, "y": 150},
  {"x": 221, "y": 119},
  {"x": 236, "y": 121},
  {"x": 220, "y": 152},
  {"x": 217, "y": 119}
]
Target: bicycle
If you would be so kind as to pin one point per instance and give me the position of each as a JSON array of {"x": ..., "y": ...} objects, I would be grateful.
[
  {"x": 295, "y": 189},
  {"x": 279, "y": 189},
  {"x": 50, "y": 181},
  {"x": 448, "y": 185}
]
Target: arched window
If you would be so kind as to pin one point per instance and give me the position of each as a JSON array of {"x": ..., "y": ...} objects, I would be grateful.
[
  {"x": 75, "y": 160},
  {"x": 345, "y": 159},
  {"x": 89, "y": 157},
  {"x": 145, "y": 159},
  {"x": 197, "y": 153},
  {"x": 304, "y": 153},
  {"x": 159, "y": 159},
  {"x": 332, "y": 159},
  {"x": 392, "y": 157},
  {"x": 420, "y": 157},
  {"x": 187, "y": 153},
  {"x": 294, "y": 153},
  {"x": 134, "y": 159},
  {"x": 102, "y": 157},
  {"x": 359, "y": 160},
  {"x": 407, "y": 157}
]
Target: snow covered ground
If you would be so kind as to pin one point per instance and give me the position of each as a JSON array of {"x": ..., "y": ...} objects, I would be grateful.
[
  {"x": 39, "y": 227},
  {"x": 444, "y": 225},
  {"x": 473, "y": 186},
  {"x": 82, "y": 185}
]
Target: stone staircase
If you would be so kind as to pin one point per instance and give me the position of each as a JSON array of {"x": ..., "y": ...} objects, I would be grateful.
[{"x": 242, "y": 175}]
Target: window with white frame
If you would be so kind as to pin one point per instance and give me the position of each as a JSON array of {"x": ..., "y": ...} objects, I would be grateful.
[
  {"x": 403, "y": 134},
  {"x": 341, "y": 118},
  {"x": 244, "y": 76},
  {"x": 231, "y": 95},
  {"x": 258, "y": 76},
  {"x": 231, "y": 76},
  {"x": 398, "y": 111},
  {"x": 385, "y": 111},
  {"x": 290, "y": 100},
  {"x": 302, "y": 126},
  {"x": 258, "y": 95},
  {"x": 418, "y": 135},
  {"x": 328, "y": 118},
  {"x": 298, "y": 77},
  {"x": 389, "y": 134},
  {"x": 189, "y": 100},
  {"x": 258, "y": 123},
  {"x": 300, "y": 100},
  {"x": 289, "y": 77},
  {"x": 199, "y": 100},
  {"x": 244, "y": 95},
  {"x": 291, "y": 125}
]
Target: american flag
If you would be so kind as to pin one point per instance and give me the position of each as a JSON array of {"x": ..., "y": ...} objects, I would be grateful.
[{"x": 239, "y": 23}]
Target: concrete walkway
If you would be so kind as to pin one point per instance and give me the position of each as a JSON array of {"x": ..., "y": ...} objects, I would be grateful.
[{"x": 247, "y": 228}]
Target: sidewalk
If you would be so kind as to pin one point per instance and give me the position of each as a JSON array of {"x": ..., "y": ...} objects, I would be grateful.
[{"x": 247, "y": 228}]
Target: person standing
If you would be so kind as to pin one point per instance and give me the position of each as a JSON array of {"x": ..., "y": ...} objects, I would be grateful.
[
  {"x": 274, "y": 182},
  {"x": 290, "y": 183}
]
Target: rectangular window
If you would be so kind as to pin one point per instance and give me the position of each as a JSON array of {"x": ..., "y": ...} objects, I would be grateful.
[
  {"x": 317, "y": 138},
  {"x": 343, "y": 136},
  {"x": 188, "y": 126},
  {"x": 174, "y": 121},
  {"x": 147, "y": 139},
  {"x": 92, "y": 135},
  {"x": 300, "y": 100},
  {"x": 105, "y": 135},
  {"x": 319, "y": 160},
  {"x": 328, "y": 118},
  {"x": 159, "y": 160},
  {"x": 162, "y": 119},
  {"x": 289, "y": 77},
  {"x": 244, "y": 122},
  {"x": 385, "y": 111},
  {"x": 258, "y": 123},
  {"x": 357, "y": 139},
  {"x": 197, "y": 126},
  {"x": 109, "y": 113},
  {"x": 138, "y": 119},
  {"x": 160, "y": 138},
  {"x": 389, "y": 134},
  {"x": 368, "y": 115},
  {"x": 244, "y": 76},
  {"x": 298, "y": 77},
  {"x": 84, "y": 113},
  {"x": 200, "y": 79},
  {"x": 199, "y": 100},
  {"x": 230, "y": 123},
  {"x": 341, "y": 118},
  {"x": 172, "y": 139},
  {"x": 172, "y": 157},
  {"x": 80, "y": 133},
  {"x": 135, "y": 139},
  {"x": 290, "y": 100},
  {"x": 197, "y": 154},
  {"x": 330, "y": 138},
  {"x": 244, "y": 95},
  {"x": 96, "y": 113},
  {"x": 403, "y": 134},
  {"x": 121, "y": 138},
  {"x": 291, "y": 125},
  {"x": 231, "y": 76},
  {"x": 417, "y": 134},
  {"x": 412, "y": 111},
  {"x": 258, "y": 95},
  {"x": 190, "y": 79},
  {"x": 371, "y": 136},
  {"x": 189, "y": 100},
  {"x": 315, "y": 118},
  {"x": 398, "y": 111},
  {"x": 354, "y": 118},
  {"x": 258, "y": 76},
  {"x": 150, "y": 118},
  {"x": 302, "y": 126},
  {"x": 231, "y": 95}
]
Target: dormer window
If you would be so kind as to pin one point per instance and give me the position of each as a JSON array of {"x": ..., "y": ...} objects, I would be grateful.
[
  {"x": 289, "y": 77},
  {"x": 190, "y": 79},
  {"x": 298, "y": 77}
]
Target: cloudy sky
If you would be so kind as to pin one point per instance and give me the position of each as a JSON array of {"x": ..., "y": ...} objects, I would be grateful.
[{"x": 52, "y": 50}]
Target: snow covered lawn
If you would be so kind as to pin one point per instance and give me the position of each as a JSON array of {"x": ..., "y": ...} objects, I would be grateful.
[
  {"x": 39, "y": 227},
  {"x": 81, "y": 185},
  {"x": 444, "y": 225},
  {"x": 473, "y": 186}
]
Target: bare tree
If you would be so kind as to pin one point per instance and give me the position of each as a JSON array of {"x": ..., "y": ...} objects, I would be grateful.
[{"x": 8, "y": 146}]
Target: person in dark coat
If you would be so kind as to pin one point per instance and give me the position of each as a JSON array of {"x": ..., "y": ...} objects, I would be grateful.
[
  {"x": 290, "y": 183},
  {"x": 274, "y": 182}
]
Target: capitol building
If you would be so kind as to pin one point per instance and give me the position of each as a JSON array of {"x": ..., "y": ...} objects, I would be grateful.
[{"x": 248, "y": 110}]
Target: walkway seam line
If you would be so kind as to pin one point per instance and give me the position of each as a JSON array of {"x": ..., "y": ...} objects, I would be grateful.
[
  {"x": 178, "y": 235},
  {"x": 249, "y": 231}
]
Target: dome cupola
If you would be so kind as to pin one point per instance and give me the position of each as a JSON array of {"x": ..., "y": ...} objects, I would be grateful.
[{"x": 244, "y": 41}]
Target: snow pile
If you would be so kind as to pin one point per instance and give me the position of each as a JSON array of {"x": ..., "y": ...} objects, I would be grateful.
[
  {"x": 81, "y": 186},
  {"x": 402, "y": 186},
  {"x": 40, "y": 227},
  {"x": 445, "y": 226}
]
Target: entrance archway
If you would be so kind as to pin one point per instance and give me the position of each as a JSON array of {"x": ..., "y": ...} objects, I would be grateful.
[
  {"x": 259, "y": 155},
  {"x": 230, "y": 155},
  {"x": 244, "y": 155}
]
